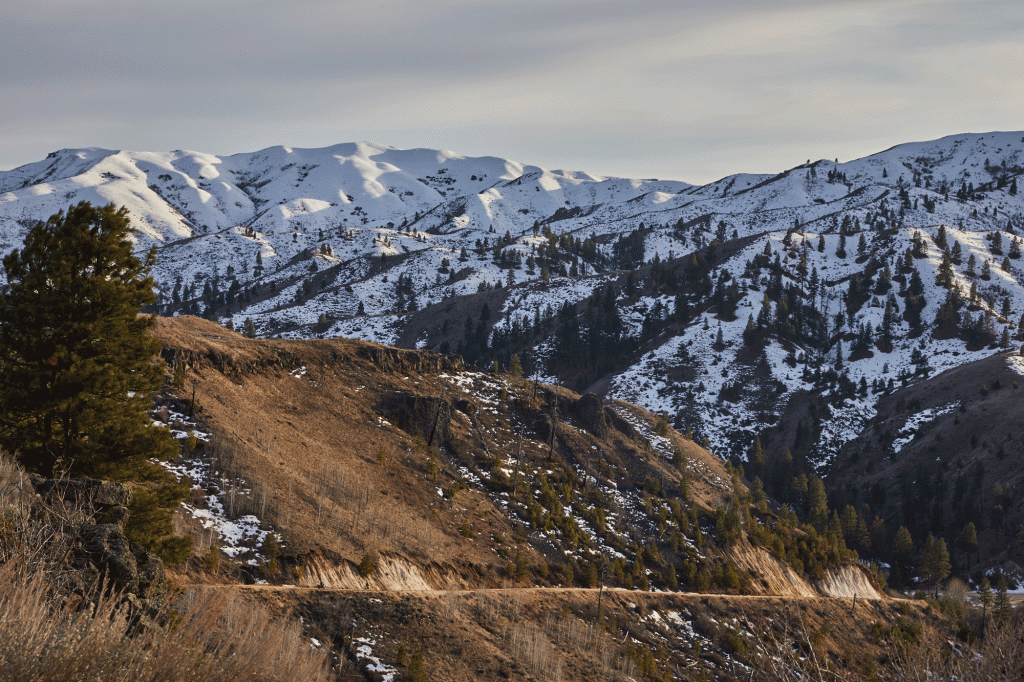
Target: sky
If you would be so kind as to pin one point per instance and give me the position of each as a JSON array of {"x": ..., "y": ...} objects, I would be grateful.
[{"x": 670, "y": 89}]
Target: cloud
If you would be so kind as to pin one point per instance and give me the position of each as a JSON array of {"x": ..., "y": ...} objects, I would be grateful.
[{"x": 666, "y": 89}]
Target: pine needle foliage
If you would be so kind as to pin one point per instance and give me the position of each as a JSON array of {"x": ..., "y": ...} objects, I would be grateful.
[{"x": 76, "y": 363}]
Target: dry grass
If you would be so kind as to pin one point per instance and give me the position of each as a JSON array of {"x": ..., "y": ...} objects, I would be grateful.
[
  {"x": 999, "y": 657},
  {"x": 209, "y": 637},
  {"x": 301, "y": 452},
  {"x": 306, "y": 445},
  {"x": 54, "y": 628}
]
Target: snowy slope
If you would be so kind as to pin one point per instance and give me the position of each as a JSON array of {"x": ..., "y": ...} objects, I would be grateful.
[{"x": 350, "y": 239}]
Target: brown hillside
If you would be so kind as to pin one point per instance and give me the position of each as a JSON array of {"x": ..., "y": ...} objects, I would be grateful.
[
  {"x": 333, "y": 443},
  {"x": 303, "y": 423}
]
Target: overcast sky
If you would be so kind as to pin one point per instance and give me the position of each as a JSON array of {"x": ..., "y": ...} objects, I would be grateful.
[{"x": 668, "y": 89}]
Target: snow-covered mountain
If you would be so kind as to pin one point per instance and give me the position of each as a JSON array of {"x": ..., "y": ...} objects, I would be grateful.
[{"x": 402, "y": 246}]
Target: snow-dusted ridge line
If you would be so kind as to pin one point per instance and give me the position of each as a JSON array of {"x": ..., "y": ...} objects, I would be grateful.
[{"x": 322, "y": 220}]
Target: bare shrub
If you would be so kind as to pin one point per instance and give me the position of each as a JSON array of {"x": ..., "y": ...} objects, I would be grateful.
[
  {"x": 956, "y": 591},
  {"x": 529, "y": 645},
  {"x": 999, "y": 656},
  {"x": 451, "y": 604},
  {"x": 38, "y": 535},
  {"x": 788, "y": 652}
]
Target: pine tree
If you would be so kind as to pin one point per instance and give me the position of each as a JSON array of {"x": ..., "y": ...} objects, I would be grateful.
[
  {"x": 946, "y": 273},
  {"x": 985, "y": 597},
  {"x": 758, "y": 495},
  {"x": 862, "y": 246},
  {"x": 416, "y": 671},
  {"x": 903, "y": 554},
  {"x": 1001, "y": 608},
  {"x": 968, "y": 541},
  {"x": 756, "y": 458},
  {"x": 841, "y": 249},
  {"x": 818, "y": 502},
  {"x": 76, "y": 362},
  {"x": 935, "y": 561},
  {"x": 985, "y": 593}
]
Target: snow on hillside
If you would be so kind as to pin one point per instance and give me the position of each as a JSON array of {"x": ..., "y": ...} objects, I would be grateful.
[
  {"x": 906, "y": 435},
  {"x": 351, "y": 239}
]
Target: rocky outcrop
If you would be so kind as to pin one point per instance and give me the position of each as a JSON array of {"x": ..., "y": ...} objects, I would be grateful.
[
  {"x": 591, "y": 412},
  {"x": 778, "y": 578},
  {"x": 392, "y": 572},
  {"x": 100, "y": 495},
  {"x": 103, "y": 555},
  {"x": 122, "y": 565},
  {"x": 848, "y": 581},
  {"x": 418, "y": 415}
]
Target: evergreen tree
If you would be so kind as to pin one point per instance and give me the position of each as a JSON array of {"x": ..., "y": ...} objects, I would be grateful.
[
  {"x": 935, "y": 561},
  {"x": 1001, "y": 608},
  {"x": 818, "y": 502},
  {"x": 968, "y": 541},
  {"x": 76, "y": 362},
  {"x": 756, "y": 457},
  {"x": 862, "y": 246},
  {"x": 946, "y": 273},
  {"x": 841, "y": 249},
  {"x": 903, "y": 555},
  {"x": 416, "y": 671}
]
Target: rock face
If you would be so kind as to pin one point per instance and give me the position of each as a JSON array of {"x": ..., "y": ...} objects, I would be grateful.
[
  {"x": 123, "y": 565},
  {"x": 590, "y": 410},
  {"x": 101, "y": 495},
  {"x": 104, "y": 553}
]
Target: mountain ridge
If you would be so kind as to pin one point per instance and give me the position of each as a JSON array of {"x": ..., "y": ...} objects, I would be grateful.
[{"x": 718, "y": 305}]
